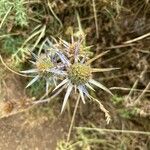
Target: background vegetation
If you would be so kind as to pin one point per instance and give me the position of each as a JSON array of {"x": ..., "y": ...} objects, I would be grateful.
[{"x": 120, "y": 26}]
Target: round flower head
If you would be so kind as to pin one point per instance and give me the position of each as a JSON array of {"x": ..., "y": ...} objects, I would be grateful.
[
  {"x": 79, "y": 73},
  {"x": 46, "y": 66},
  {"x": 43, "y": 64},
  {"x": 79, "y": 77}
]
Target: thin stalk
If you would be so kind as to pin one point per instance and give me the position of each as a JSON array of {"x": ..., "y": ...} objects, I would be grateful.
[
  {"x": 128, "y": 89},
  {"x": 113, "y": 130},
  {"x": 73, "y": 118},
  {"x": 137, "y": 39},
  {"x": 95, "y": 17},
  {"x": 23, "y": 75},
  {"x": 56, "y": 17},
  {"x": 2, "y": 22},
  {"x": 142, "y": 94}
]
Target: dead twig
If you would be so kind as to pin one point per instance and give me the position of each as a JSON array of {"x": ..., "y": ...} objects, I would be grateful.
[
  {"x": 113, "y": 130},
  {"x": 95, "y": 17},
  {"x": 141, "y": 95},
  {"x": 1, "y": 59},
  {"x": 137, "y": 39}
]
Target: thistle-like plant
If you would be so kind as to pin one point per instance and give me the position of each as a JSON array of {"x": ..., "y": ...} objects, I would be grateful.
[
  {"x": 79, "y": 76},
  {"x": 72, "y": 67},
  {"x": 47, "y": 67}
]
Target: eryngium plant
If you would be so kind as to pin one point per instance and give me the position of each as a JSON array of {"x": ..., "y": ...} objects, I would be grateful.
[
  {"x": 46, "y": 66},
  {"x": 68, "y": 65}
]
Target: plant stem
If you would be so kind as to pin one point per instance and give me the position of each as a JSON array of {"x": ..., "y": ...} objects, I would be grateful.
[
  {"x": 1, "y": 59},
  {"x": 113, "y": 130},
  {"x": 2, "y": 22},
  {"x": 73, "y": 118}
]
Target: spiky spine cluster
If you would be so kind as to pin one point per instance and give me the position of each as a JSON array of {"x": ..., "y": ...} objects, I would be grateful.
[{"x": 79, "y": 73}]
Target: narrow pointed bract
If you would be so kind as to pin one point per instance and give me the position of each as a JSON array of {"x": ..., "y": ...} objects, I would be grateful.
[
  {"x": 30, "y": 71},
  {"x": 81, "y": 94},
  {"x": 33, "y": 80},
  {"x": 89, "y": 86},
  {"x": 69, "y": 89},
  {"x": 100, "y": 86},
  {"x": 85, "y": 91},
  {"x": 47, "y": 87},
  {"x": 63, "y": 58},
  {"x": 61, "y": 84}
]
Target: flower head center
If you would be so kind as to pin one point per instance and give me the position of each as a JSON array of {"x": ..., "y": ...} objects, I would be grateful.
[
  {"x": 79, "y": 73},
  {"x": 43, "y": 64}
]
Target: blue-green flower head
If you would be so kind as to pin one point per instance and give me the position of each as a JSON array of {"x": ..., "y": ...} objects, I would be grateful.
[
  {"x": 79, "y": 76},
  {"x": 46, "y": 66}
]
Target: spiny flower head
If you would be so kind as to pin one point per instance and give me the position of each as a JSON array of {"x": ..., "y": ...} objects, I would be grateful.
[
  {"x": 79, "y": 77},
  {"x": 43, "y": 64},
  {"x": 79, "y": 73}
]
